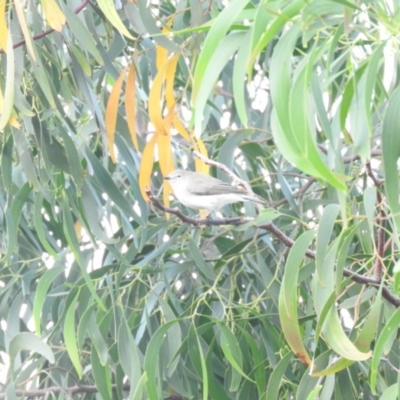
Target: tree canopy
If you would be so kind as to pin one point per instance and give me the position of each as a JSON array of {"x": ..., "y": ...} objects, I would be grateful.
[{"x": 111, "y": 289}]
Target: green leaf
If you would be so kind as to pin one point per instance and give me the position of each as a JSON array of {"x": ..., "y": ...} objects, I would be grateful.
[
  {"x": 129, "y": 357},
  {"x": 276, "y": 377},
  {"x": 28, "y": 341},
  {"x": 149, "y": 23},
  {"x": 13, "y": 216},
  {"x": 70, "y": 234},
  {"x": 293, "y": 135},
  {"x": 391, "y": 154},
  {"x": 70, "y": 336},
  {"x": 324, "y": 234},
  {"x": 98, "y": 342},
  {"x": 111, "y": 188},
  {"x": 41, "y": 293},
  {"x": 337, "y": 339},
  {"x": 73, "y": 160},
  {"x": 288, "y": 297},
  {"x": 101, "y": 374},
  {"x": 233, "y": 354},
  {"x": 39, "y": 226},
  {"x": 153, "y": 384},
  {"x": 389, "y": 328},
  {"x": 211, "y": 72},
  {"x": 82, "y": 34},
  {"x": 213, "y": 40}
]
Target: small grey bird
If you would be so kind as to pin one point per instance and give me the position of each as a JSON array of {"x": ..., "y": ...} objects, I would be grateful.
[{"x": 202, "y": 191}]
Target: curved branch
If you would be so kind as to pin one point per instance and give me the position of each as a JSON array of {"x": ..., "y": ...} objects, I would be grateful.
[{"x": 286, "y": 240}]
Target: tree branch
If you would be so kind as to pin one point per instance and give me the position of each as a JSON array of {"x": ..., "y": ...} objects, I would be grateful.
[
  {"x": 380, "y": 241},
  {"x": 286, "y": 240}
]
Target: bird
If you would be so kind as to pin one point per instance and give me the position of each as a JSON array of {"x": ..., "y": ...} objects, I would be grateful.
[{"x": 201, "y": 191}]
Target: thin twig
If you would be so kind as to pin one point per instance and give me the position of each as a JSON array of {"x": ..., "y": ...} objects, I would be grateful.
[
  {"x": 377, "y": 182},
  {"x": 356, "y": 157},
  {"x": 299, "y": 193},
  {"x": 235, "y": 179},
  {"x": 380, "y": 241}
]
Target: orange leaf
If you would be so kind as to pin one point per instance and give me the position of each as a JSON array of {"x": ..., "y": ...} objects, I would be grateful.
[
  {"x": 112, "y": 113},
  {"x": 170, "y": 98},
  {"x": 169, "y": 84},
  {"x": 146, "y": 165},
  {"x": 54, "y": 16},
  {"x": 180, "y": 128},
  {"x": 161, "y": 56},
  {"x": 155, "y": 100},
  {"x": 13, "y": 122},
  {"x": 130, "y": 110},
  {"x": 165, "y": 154},
  {"x": 199, "y": 146},
  {"x": 3, "y": 26},
  {"x": 162, "y": 52},
  {"x": 166, "y": 165}
]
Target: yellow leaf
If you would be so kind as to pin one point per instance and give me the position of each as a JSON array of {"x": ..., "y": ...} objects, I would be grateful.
[
  {"x": 13, "y": 122},
  {"x": 169, "y": 84},
  {"x": 170, "y": 98},
  {"x": 155, "y": 100},
  {"x": 78, "y": 229},
  {"x": 165, "y": 154},
  {"x": 162, "y": 52},
  {"x": 108, "y": 8},
  {"x": 8, "y": 102},
  {"x": 166, "y": 163},
  {"x": 199, "y": 146},
  {"x": 53, "y": 14},
  {"x": 3, "y": 26},
  {"x": 161, "y": 56},
  {"x": 146, "y": 165},
  {"x": 130, "y": 110},
  {"x": 24, "y": 28},
  {"x": 112, "y": 113}
]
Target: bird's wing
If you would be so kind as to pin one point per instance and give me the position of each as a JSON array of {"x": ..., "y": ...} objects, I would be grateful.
[{"x": 203, "y": 188}]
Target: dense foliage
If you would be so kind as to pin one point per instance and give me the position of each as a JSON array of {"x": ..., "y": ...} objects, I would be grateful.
[{"x": 104, "y": 295}]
